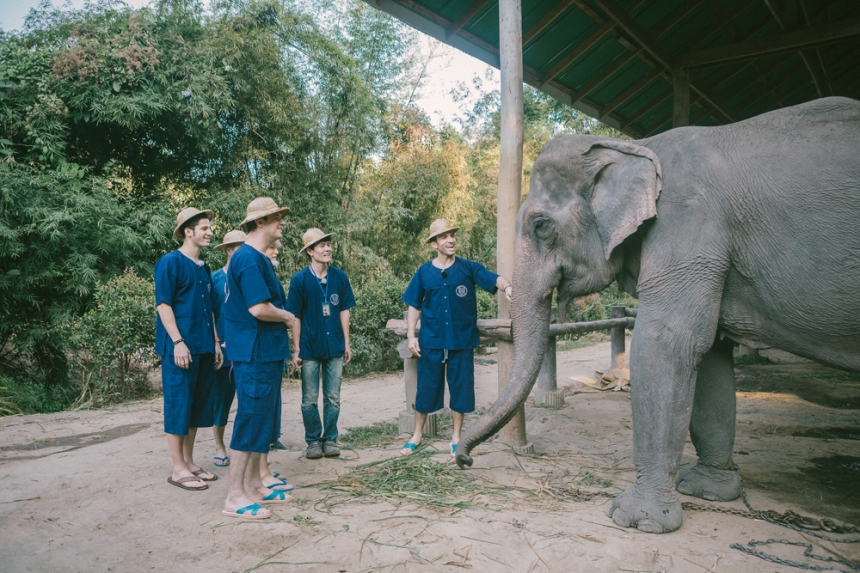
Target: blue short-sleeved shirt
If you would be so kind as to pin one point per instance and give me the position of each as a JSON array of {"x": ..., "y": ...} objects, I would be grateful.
[
  {"x": 449, "y": 308},
  {"x": 251, "y": 280},
  {"x": 187, "y": 288},
  {"x": 219, "y": 280},
  {"x": 322, "y": 336}
]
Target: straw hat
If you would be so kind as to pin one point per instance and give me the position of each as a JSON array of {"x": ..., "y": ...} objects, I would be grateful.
[
  {"x": 230, "y": 239},
  {"x": 439, "y": 227},
  {"x": 311, "y": 237},
  {"x": 186, "y": 214},
  {"x": 262, "y": 207}
]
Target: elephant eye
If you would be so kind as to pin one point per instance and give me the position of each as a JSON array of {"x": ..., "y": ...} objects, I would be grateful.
[{"x": 543, "y": 228}]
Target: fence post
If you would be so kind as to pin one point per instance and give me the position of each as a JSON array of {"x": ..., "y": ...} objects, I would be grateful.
[
  {"x": 547, "y": 394},
  {"x": 406, "y": 423},
  {"x": 618, "y": 358}
]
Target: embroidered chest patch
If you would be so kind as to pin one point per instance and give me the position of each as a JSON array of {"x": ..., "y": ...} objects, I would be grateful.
[
  {"x": 462, "y": 291},
  {"x": 335, "y": 299}
]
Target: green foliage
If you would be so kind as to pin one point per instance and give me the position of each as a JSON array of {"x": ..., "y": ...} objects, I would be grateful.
[
  {"x": 19, "y": 394},
  {"x": 374, "y": 348},
  {"x": 61, "y": 232},
  {"x": 113, "y": 342},
  {"x": 752, "y": 360}
]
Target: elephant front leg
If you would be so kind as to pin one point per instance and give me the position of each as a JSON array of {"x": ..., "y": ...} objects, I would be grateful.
[
  {"x": 712, "y": 428},
  {"x": 662, "y": 367}
]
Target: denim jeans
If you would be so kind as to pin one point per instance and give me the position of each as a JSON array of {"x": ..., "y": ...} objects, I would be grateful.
[{"x": 332, "y": 374}]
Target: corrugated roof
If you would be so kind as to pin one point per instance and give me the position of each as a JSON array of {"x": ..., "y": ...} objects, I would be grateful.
[{"x": 613, "y": 59}]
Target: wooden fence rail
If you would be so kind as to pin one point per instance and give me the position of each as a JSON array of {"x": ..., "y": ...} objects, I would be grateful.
[{"x": 546, "y": 393}]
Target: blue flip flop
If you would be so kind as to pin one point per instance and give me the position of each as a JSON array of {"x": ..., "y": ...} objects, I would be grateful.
[
  {"x": 453, "y": 450},
  {"x": 280, "y": 483},
  {"x": 408, "y": 446},
  {"x": 247, "y": 512},
  {"x": 222, "y": 462},
  {"x": 277, "y": 497}
]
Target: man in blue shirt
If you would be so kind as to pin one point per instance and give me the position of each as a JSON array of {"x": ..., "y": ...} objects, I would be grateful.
[
  {"x": 443, "y": 291},
  {"x": 186, "y": 339},
  {"x": 320, "y": 297},
  {"x": 225, "y": 387},
  {"x": 256, "y": 324}
]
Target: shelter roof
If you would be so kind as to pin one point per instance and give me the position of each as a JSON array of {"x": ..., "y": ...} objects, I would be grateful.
[{"x": 614, "y": 59}]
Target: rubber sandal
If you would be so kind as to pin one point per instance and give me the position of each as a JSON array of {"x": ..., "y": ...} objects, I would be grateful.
[
  {"x": 222, "y": 462},
  {"x": 247, "y": 512},
  {"x": 408, "y": 448},
  {"x": 199, "y": 473},
  {"x": 186, "y": 479},
  {"x": 283, "y": 485},
  {"x": 276, "y": 497},
  {"x": 453, "y": 450}
]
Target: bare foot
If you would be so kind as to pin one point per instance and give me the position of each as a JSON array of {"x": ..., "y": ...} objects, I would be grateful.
[
  {"x": 201, "y": 473},
  {"x": 231, "y": 504},
  {"x": 178, "y": 475}
]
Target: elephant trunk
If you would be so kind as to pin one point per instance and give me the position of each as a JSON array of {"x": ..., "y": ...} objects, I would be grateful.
[{"x": 530, "y": 326}]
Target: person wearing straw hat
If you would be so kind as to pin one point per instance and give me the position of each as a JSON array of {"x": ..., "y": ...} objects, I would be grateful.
[
  {"x": 225, "y": 387},
  {"x": 256, "y": 323},
  {"x": 320, "y": 297},
  {"x": 187, "y": 340},
  {"x": 443, "y": 291}
]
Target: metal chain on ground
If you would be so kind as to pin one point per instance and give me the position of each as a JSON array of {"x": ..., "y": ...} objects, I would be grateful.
[
  {"x": 801, "y": 523},
  {"x": 807, "y": 552}
]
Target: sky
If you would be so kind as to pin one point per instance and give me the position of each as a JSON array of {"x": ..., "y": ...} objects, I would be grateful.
[{"x": 447, "y": 69}]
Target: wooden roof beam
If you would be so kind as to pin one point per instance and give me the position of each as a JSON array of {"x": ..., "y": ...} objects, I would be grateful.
[
  {"x": 773, "y": 44},
  {"x": 654, "y": 103},
  {"x": 667, "y": 23},
  {"x": 577, "y": 51},
  {"x": 548, "y": 19},
  {"x": 465, "y": 17},
  {"x": 644, "y": 39},
  {"x": 630, "y": 92},
  {"x": 777, "y": 15},
  {"x": 606, "y": 74}
]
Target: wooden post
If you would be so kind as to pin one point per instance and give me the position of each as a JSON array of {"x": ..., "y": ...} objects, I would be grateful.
[
  {"x": 681, "y": 100},
  {"x": 547, "y": 394},
  {"x": 618, "y": 351},
  {"x": 406, "y": 423},
  {"x": 510, "y": 188}
]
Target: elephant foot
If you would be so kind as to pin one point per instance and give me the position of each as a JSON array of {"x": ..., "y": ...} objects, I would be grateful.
[
  {"x": 710, "y": 483},
  {"x": 647, "y": 513}
]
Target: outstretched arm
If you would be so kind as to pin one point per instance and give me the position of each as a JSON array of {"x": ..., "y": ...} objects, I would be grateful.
[{"x": 504, "y": 284}]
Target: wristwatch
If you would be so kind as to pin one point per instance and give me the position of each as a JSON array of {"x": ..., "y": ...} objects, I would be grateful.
[{"x": 175, "y": 342}]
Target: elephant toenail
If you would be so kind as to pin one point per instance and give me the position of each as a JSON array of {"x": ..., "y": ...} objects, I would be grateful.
[
  {"x": 684, "y": 487},
  {"x": 649, "y": 526},
  {"x": 620, "y": 518}
]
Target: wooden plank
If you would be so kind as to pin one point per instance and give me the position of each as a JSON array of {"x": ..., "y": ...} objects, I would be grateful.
[
  {"x": 654, "y": 103},
  {"x": 577, "y": 51},
  {"x": 774, "y": 44},
  {"x": 680, "y": 97},
  {"x": 465, "y": 17},
  {"x": 501, "y": 328},
  {"x": 676, "y": 16}
]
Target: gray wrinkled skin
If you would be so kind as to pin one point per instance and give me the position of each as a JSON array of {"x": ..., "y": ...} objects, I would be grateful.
[{"x": 748, "y": 232}]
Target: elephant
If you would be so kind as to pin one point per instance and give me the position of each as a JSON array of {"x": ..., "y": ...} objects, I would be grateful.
[{"x": 742, "y": 233}]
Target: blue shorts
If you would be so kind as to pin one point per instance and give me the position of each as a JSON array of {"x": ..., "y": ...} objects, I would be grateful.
[
  {"x": 258, "y": 386},
  {"x": 460, "y": 367},
  {"x": 188, "y": 395},
  {"x": 225, "y": 391}
]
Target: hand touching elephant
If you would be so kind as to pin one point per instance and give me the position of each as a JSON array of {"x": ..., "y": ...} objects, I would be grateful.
[{"x": 748, "y": 232}]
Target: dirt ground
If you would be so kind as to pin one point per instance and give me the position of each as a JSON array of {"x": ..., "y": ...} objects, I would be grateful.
[{"x": 86, "y": 491}]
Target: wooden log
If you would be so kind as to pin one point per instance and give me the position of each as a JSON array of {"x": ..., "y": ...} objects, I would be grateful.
[
  {"x": 618, "y": 352},
  {"x": 500, "y": 329}
]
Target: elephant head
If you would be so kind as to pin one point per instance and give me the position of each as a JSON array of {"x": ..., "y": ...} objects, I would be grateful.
[{"x": 587, "y": 196}]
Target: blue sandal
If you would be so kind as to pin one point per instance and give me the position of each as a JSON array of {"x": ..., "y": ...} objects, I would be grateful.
[
  {"x": 279, "y": 484},
  {"x": 247, "y": 512},
  {"x": 277, "y": 497},
  {"x": 222, "y": 462},
  {"x": 408, "y": 448}
]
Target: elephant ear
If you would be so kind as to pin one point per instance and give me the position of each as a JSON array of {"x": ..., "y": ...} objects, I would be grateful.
[{"x": 626, "y": 183}]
